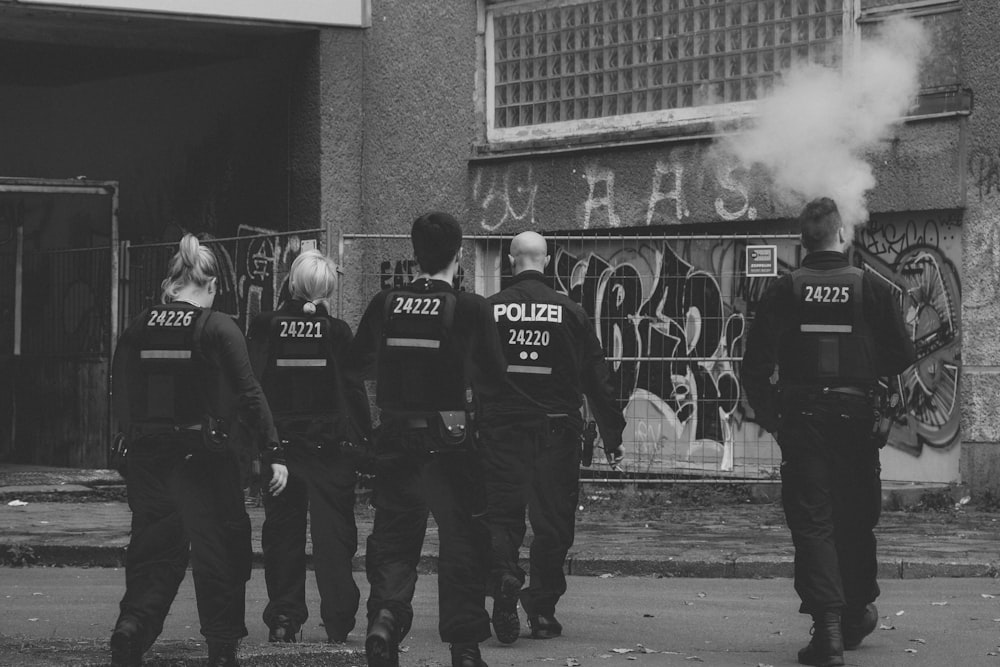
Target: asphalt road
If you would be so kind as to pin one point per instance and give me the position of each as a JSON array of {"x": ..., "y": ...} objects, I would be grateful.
[{"x": 48, "y": 613}]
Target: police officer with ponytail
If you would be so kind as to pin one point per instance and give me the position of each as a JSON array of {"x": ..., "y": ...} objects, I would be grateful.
[
  {"x": 181, "y": 377},
  {"x": 830, "y": 333},
  {"x": 299, "y": 353},
  {"x": 435, "y": 356}
]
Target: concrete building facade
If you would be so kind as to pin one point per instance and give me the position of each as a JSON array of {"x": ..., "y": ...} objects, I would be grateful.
[{"x": 602, "y": 123}]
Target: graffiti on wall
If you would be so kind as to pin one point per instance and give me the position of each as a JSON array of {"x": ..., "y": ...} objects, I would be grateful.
[
  {"x": 669, "y": 191},
  {"x": 917, "y": 260},
  {"x": 671, "y": 332},
  {"x": 672, "y": 317}
]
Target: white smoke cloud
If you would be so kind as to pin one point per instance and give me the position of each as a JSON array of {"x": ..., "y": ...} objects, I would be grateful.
[{"x": 814, "y": 129}]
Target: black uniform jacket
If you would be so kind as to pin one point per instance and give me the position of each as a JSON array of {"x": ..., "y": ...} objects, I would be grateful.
[
  {"x": 224, "y": 348},
  {"x": 775, "y": 316},
  {"x": 353, "y": 390},
  {"x": 473, "y": 331},
  {"x": 561, "y": 391}
]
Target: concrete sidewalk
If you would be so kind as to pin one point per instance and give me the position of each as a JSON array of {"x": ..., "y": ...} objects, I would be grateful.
[{"x": 51, "y": 517}]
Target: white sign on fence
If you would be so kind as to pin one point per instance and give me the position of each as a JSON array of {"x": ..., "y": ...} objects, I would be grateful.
[{"x": 762, "y": 260}]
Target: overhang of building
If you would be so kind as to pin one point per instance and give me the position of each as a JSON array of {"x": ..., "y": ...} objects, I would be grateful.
[{"x": 46, "y": 46}]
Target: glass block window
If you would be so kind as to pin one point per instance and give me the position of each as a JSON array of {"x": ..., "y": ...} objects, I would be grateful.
[{"x": 557, "y": 61}]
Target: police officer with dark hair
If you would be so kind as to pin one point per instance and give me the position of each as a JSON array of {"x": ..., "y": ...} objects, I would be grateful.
[
  {"x": 532, "y": 437},
  {"x": 181, "y": 376},
  {"x": 829, "y": 332},
  {"x": 435, "y": 355},
  {"x": 298, "y": 353}
]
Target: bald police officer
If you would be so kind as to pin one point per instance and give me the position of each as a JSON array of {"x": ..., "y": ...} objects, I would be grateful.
[
  {"x": 831, "y": 331},
  {"x": 435, "y": 355},
  {"x": 531, "y": 437}
]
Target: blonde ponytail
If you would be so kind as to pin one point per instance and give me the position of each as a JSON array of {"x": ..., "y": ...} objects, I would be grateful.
[{"x": 192, "y": 264}]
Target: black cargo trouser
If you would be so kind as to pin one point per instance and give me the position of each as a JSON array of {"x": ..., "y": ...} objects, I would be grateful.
[
  {"x": 532, "y": 463},
  {"x": 322, "y": 483},
  {"x": 832, "y": 497},
  {"x": 450, "y": 487},
  {"x": 186, "y": 500}
]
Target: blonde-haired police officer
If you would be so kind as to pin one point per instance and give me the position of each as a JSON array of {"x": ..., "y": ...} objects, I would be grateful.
[
  {"x": 299, "y": 353},
  {"x": 181, "y": 376}
]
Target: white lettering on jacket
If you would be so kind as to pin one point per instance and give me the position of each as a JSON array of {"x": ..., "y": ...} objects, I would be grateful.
[{"x": 528, "y": 312}]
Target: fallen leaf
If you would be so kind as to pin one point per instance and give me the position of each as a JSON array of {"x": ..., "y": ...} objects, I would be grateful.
[
  {"x": 910, "y": 650},
  {"x": 938, "y": 604},
  {"x": 631, "y": 657},
  {"x": 32, "y": 619},
  {"x": 621, "y": 650},
  {"x": 694, "y": 658},
  {"x": 16, "y": 503},
  {"x": 918, "y": 640},
  {"x": 754, "y": 597},
  {"x": 883, "y": 626},
  {"x": 761, "y": 664},
  {"x": 987, "y": 596},
  {"x": 606, "y": 576},
  {"x": 604, "y": 656},
  {"x": 572, "y": 662},
  {"x": 900, "y": 613},
  {"x": 686, "y": 602},
  {"x": 701, "y": 595}
]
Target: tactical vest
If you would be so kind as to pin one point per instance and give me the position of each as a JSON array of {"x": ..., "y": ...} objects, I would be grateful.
[
  {"x": 535, "y": 344},
  {"x": 831, "y": 343},
  {"x": 301, "y": 377},
  {"x": 173, "y": 380},
  {"x": 420, "y": 368}
]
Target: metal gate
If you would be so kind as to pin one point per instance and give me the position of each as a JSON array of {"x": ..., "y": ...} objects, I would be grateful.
[
  {"x": 58, "y": 297},
  {"x": 672, "y": 313}
]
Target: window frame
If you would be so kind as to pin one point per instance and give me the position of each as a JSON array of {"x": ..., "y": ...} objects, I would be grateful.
[{"x": 621, "y": 123}]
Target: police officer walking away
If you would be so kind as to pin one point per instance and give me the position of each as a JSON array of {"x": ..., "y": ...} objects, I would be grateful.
[
  {"x": 181, "y": 375},
  {"x": 831, "y": 331},
  {"x": 435, "y": 356},
  {"x": 531, "y": 437},
  {"x": 299, "y": 353}
]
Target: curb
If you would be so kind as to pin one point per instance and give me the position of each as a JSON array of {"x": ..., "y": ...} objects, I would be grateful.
[{"x": 736, "y": 567}]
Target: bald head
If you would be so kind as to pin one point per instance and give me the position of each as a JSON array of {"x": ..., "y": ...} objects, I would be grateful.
[{"x": 528, "y": 252}]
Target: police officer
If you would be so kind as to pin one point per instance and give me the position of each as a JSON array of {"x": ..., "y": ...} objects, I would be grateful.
[
  {"x": 181, "y": 376},
  {"x": 299, "y": 353},
  {"x": 828, "y": 331},
  {"x": 531, "y": 437},
  {"x": 435, "y": 355}
]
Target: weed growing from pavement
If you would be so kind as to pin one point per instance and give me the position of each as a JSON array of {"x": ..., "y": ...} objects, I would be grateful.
[{"x": 18, "y": 555}]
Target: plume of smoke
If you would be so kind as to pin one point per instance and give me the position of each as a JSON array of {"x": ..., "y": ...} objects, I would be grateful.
[{"x": 813, "y": 131}]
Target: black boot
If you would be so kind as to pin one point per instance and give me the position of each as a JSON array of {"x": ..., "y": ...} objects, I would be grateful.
[
  {"x": 858, "y": 624},
  {"x": 544, "y": 627},
  {"x": 381, "y": 646},
  {"x": 222, "y": 653},
  {"x": 466, "y": 655},
  {"x": 126, "y": 644},
  {"x": 506, "y": 624},
  {"x": 284, "y": 630},
  {"x": 826, "y": 649}
]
